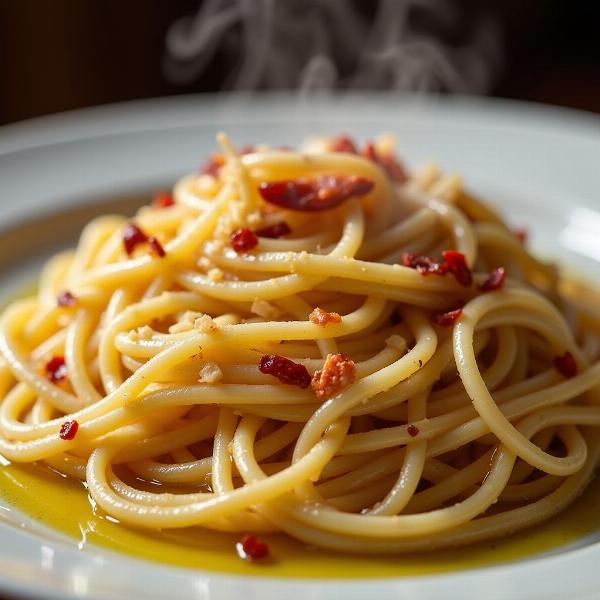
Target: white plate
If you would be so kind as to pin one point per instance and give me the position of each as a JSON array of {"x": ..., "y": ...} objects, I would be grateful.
[{"x": 539, "y": 165}]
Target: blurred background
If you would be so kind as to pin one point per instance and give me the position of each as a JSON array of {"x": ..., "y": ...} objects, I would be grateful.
[{"x": 64, "y": 54}]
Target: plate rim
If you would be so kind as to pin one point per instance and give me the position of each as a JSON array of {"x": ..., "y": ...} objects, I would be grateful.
[{"x": 74, "y": 126}]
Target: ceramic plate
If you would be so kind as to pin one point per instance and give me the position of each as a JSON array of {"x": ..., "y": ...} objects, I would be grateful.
[{"x": 538, "y": 165}]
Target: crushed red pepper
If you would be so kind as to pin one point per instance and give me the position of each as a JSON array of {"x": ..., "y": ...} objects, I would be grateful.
[
  {"x": 566, "y": 364},
  {"x": 446, "y": 319},
  {"x": 56, "y": 369},
  {"x": 495, "y": 280},
  {"x": 251, "y": 547},
  {"x": 322, "y": 192},
  {"x": 412, "y": 430},
  {"x": 162, "y": 200},
  {"x": 456, "y": 263},
  {"x": 66, "y": 298},
  {"x": 68, "y": 430},
  {"x": 243, "y": 239},
  {"x": 156, "y": 247},
  {"x": 286, "y": 370},
  {"x": 521, "y": 234},
  {"x": 213, "y": 164},
  {"x": 274, "y": 231},
  {"x": 388, "y": 162},
  {"x": 344, "y": 143},
  {"x": 424, "y": 264},
  {"x": 132, "y": 237}
]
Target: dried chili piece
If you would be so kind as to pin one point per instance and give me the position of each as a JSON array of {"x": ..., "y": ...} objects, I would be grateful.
[
  {"x": 456, "y": 263},
  {"x": 446, "y": 319},
  {"x": 56, "y": 369},
  {"x": 323, "y": 192},
  {"x": 243, "y": 239},
  {"x": 274, "y": 231},
  {"x": 213, "y": 165},
  {"x": 343, "y": 143},
  {"x": 156, "y": 247},
  {"x": 66, "y": 298},
  {"x": 132, "y": 237},
  {"x": 162, "y": 200},
  {"x": 68, "y": 430},
  {"x": 424, "y": 264},
  {"x": 412, "y": 430},
  {"x": 252, "y": 548},
  {"x": 521, "y": 234},
  {"x": 566, "y": 364},
  {"x": 388, "y": 162},
  {"x": 495, "y": 280},
  {"x": 285, "y": 370}
]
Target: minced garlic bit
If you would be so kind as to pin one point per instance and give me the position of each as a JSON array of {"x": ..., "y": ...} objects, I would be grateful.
[
  {"x": 206, "y": 324},
  {"x": 337, "y": 373},
  {"x": 141, "y": 333},
  {"x": 214, "y": 246},
  {"x": 210, "y": 373},
  {"x": 254, "y": 218},
  {"x": 205, "y": 263},
  {"x": 265, "y": 309},
  {"x": 398, "y": 342},
  {"x": 186, "y": 322},
  {"x": 321, "y": 317},
  {"x": 215, "y": 275}
]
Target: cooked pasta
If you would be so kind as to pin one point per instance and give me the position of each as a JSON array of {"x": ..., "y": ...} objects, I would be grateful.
[{"x": 317, "y": 343}]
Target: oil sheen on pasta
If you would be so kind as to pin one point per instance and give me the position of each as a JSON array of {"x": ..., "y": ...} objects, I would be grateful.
[{"x": 63, "y": 504}]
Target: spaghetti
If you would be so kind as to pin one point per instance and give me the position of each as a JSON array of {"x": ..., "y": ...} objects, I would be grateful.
[{"x": 317, "y": 343}]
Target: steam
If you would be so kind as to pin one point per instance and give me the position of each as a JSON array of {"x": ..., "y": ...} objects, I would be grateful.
[{"x": 331, "y": 44}]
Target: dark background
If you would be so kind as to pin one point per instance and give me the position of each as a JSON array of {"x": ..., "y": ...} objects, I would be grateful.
[{"x": 58, "y": 55}]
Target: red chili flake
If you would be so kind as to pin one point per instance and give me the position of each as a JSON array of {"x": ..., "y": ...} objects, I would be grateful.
[
  {"x": 343, "y": 143},
  {"x": 243, "y": 239},
  {"x": 156, "y": 247},
  {"x": 247, "y": 149},
  {"x": 213, "y": 164},
  {"x": 274, "y": 231},
  {"x": 285, "y": 370},
  {"x": 337, "y": 373},
  {"x": 566, "y": 364},
  {"x": 319, "y": 193},
  {"x": 446, "y": 319},
  {"x": 412, "y": 430},
  {"x": 457, "y": 265},
  {"x": 251, "y": 547},
  {"x": 495, "y": 280},
  {"x": 521, "y": 234},
  {"x": 66, "y": 298},
  {"x": 388, "y": 162},
  {"x": 56, "y": 369},
  {"x": 68, "y": 430},
  {"x": 321, "y": 317},
  {"x": 424, "y": 264},
  {"x": 162, "y": 200},
  {"x": 132, "y": 236}
]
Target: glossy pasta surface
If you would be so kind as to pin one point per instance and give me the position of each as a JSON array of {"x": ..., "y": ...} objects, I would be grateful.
[{"x": 319, "y": 343}]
